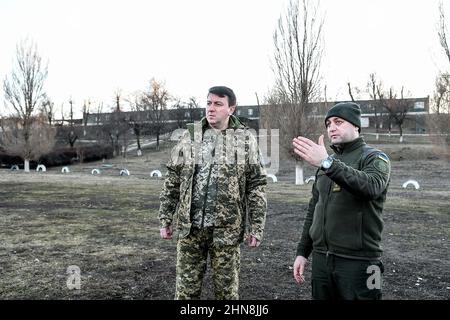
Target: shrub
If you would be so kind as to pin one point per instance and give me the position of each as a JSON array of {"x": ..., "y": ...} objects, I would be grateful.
[
  {"x": 58, "y": 157},
  {"x": 62, "y": 156},
  {"x": 94, "y": 152},
  {"x": 7, "y": 160}
]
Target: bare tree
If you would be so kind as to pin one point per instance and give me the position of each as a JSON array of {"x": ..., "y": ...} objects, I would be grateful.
[
  {"x": 186, "y": 112},
  {"x": 48, "y": 109},
  {"x": 438, "y": 121},
  {"x": 69, "y": 133},
  {"x": 40, "y": 141},
  {"x": 442, "y": 85},
  {"x": 72, "y": 136},
  {"x": 439, "y": 118},
  {"x": 298, "y": 47},
  {"x": 442, "y": 31},
  {"x": 155, "y": 100},
  {"x": 97, "y": 121},
  {"x": 179, "y": 109},
  {"x": 373, "y": 86},
  {"x": 350, "y": 91},
  {"x": 139, "y": 118},
  {"x": 441, "y": 96},
  {"x": 99, "y": 113},
  {"x": 86, "y": 110},
  {"x": 24, "y": 91},
  {"x": 397, "y": 108},
  {"x": 115, "y": 127},
  {"x": 193, "y": 108}
]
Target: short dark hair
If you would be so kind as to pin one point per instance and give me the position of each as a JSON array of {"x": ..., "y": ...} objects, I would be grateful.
[{"x": 222, "y": 92}]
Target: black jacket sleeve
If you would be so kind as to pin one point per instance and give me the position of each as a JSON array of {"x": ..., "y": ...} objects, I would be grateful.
[{"x": 370, "y": 182}]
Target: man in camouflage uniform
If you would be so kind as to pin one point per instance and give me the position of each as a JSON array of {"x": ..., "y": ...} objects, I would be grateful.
[
  {"x": 343, "y": 224},
  {"x": 215, "y": 186}
]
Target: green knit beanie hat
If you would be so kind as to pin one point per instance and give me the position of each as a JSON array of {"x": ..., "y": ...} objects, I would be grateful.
[{"x": 348, "y": 111}]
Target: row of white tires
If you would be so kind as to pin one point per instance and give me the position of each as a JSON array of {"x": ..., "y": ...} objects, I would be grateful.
[
  {"x": 123, "y": 172},
  {"x": 157, "y": 173}
]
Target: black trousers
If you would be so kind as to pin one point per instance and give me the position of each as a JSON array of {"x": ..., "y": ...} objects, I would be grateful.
[{"x": 337, "y": 278}]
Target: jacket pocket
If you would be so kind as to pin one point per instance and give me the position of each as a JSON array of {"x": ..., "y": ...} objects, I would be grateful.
[
  {"x": 316, "y": 229},
  {"x": 228, "y": 214},
  {"x": 184, "y": 202},
  {"x": 344, "y": 228}
]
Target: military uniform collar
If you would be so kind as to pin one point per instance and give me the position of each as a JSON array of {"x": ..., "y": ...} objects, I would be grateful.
[
  {"x": 348, "y": 146},
  {"x": 233, "y": 123}
]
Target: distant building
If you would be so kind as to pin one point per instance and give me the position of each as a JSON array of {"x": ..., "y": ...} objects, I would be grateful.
[
  {"x": 371, "y": 111},
  {"x": 417, "y": 109}
]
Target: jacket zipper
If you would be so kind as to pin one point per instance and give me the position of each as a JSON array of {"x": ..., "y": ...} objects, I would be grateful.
[
  {"x": 206, "y": 194},
  {"x": 213, "y": 154}
]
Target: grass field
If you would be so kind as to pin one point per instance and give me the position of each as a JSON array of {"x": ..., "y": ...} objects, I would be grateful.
[{"x": 107, "y": 226}]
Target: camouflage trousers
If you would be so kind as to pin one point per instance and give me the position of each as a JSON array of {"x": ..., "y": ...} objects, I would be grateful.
[{"x": 192, "y": 256}]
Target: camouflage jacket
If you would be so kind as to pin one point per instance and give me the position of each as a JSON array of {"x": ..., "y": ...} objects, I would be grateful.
[{"x": 241, "y": 203}]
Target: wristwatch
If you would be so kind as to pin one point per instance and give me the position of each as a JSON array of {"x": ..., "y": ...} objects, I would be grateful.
[{"x": 326, "y": 163}]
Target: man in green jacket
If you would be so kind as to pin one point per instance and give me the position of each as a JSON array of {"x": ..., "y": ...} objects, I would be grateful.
[
  {"x": 344, "y": 222},
  {"x": 215, "y": 187}
]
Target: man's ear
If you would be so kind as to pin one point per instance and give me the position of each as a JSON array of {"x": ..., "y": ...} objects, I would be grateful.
[{"x": 232, "y": 108}]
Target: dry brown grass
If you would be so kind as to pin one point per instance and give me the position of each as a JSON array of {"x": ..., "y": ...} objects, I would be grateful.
[{"x": 107, "y": 225}]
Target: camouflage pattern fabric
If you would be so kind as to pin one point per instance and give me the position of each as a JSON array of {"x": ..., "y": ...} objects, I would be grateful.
[
  {"x": 240, "y": 204},
  {"x": 204, "y": 189},
  {"x": 215, "y": 191},
  {"x": 192, "y": 253}
]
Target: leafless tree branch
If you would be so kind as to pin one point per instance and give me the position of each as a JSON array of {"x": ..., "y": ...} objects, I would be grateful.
[{"x": 24, "y": 91}]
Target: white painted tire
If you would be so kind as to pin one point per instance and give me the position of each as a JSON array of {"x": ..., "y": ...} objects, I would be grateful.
[
  {"x": 65, "y": 170},
  {"x": 41, "y": 167},
  {"x": 124, "y": 172},
  {"x": 156, "y": 173},
  {"x": 95, "y": 171},
  {"x": 14, "y": 168},
  {"x": 274, "y": 178},
  {"x": 312, "y": 178},
  {"x": 413, "y": 182}
]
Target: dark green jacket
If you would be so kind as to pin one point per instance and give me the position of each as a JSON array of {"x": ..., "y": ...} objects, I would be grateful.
[{"x": 344, "y": 213}]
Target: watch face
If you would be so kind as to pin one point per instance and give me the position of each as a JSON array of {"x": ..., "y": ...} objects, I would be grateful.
[{"x": 326, "y": 163}]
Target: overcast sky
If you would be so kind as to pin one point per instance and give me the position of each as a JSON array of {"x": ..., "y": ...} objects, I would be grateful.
[{"x": 96, "y": 47}]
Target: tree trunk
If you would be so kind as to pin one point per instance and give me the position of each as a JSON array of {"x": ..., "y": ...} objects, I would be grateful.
[
  {"x": 138, "y": 141},
  {"x": 26, "y": 165},
  {"x": 376, "y": 120},
  {"x": 157, "y": 141},
  {"x": 299, "y": 173}
]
